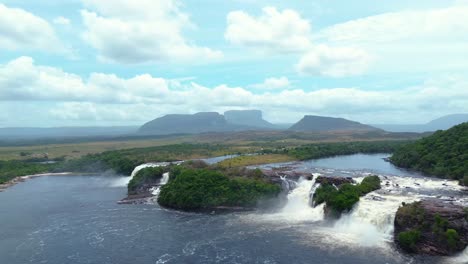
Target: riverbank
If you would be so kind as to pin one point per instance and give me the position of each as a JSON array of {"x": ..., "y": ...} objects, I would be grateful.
[{"x": 19, "y": 179}]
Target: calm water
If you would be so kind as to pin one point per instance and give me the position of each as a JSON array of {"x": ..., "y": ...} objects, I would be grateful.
[{"x": 75, "y": 219}]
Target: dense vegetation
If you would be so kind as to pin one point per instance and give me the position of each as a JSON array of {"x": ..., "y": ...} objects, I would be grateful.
[
  {"x": 343, "y": 198},
  {"x": 124, "y": 161},
  {"x": 322, "y": 150},
  {"x": 443, "y": 154},
  {"x": 194, "y": 189},
  {"x": 145, "y": 176},
  {"x": 14, "y": 168}
]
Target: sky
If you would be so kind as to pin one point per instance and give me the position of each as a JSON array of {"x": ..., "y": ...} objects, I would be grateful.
[{"x": 125, "y": 62}]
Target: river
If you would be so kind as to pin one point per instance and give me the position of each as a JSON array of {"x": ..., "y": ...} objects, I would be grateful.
[{"x": 75, "y": 219}]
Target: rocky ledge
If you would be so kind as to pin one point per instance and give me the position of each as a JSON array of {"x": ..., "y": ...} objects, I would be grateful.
[
  {"x": 337, "y": 181},
  {"x": 431, "y": 227}
]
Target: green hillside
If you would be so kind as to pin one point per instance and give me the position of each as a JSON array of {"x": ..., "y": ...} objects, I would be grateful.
[{"x": 443, "y": 154}]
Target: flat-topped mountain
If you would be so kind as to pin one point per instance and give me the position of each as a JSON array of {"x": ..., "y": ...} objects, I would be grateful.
[
  {"x": 251, "y": 118},
  {"x": 323, "y": 123},
  {"x": 235, "y": 120},
  {"x": 186, "y": 124}
]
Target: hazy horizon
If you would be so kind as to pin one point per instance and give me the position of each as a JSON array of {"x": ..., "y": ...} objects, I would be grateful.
[{"x": 123, "y": 63}]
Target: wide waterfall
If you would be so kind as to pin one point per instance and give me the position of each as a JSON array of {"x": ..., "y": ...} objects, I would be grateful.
[{"x": 369, "y": 224}]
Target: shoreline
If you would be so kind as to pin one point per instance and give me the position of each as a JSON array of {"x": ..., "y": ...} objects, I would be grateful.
[{"x": 20, "y": 179}]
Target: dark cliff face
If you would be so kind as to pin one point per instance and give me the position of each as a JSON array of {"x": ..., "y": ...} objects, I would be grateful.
[
  {"x": 186, "y": 124},
  {"x": 322, "y": 123},
  {"x": 431, "y": 227},
  {"x": 251, "y": 118}
]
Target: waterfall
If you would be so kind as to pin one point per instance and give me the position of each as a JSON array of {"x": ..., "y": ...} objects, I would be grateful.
[
  {"x": 298, "y": 206},
  {"x": 370, "y": 221},
  {"x": 164, "y": 179},
  {"x": 156, "y": 190},
  {"x": 461, "y": 258},
  {"x": 286, "y": 184}
]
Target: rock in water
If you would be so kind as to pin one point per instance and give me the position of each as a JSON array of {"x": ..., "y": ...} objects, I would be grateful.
[
  {"x": 337, "y": 181},
  {"x": 431, "y": 227}
]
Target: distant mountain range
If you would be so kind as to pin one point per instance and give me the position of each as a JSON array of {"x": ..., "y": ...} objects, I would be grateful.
[
  {"x": 321, "y": 124},
  {"x": 239, "y": 120},
  {"x": 441, "y": 123},
  {"x": 230, "y": 121}
]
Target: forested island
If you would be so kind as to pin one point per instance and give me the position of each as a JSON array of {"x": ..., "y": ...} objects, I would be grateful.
[{"x": 443, "y": 154}]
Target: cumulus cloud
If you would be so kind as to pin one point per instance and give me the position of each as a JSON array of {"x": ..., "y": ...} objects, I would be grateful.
[
  {"x": 427, "y": 40},
  {"x": 444, "y": 24},
  {"x": 22, "y": 80},
  {"x": 20, "y": 29},
  {"x": 110, "y": 98},
  {"x": 334, "y": 62},
  {"x": 129, "y": 31},
  {"x": 273, "y": 83},
  {"x": 274, "y": 30}
]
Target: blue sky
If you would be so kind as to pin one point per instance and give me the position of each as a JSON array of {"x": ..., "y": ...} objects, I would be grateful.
[{"x": 123, "y": 62}]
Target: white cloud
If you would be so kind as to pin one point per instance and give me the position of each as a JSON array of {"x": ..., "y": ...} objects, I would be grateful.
[
  {"x": 137, "y": 31},
  {"x": 273, "y": 83},
  {"x": 334, "y": 62},
  {"x": 112, "y": 99},
  {"x": 61, "y": 21},
  {"x": 20, "y": 29},
  {"x": 428, "y": 40},
  {"x": 445, "y": 24},
  {"x": 273, "y": 30},
  {"x": 22, "y": 80}
]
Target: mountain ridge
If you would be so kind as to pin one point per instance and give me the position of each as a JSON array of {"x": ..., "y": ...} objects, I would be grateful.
[{"x": 314, "y": 123}]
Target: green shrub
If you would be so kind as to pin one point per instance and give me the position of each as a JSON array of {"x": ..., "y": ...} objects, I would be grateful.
[
  {"x": 408, "y": 239},
  {"x": 369, "y": 184},
  {"x": 452, "y": 238},
  {"x": 440, "y": 225}
]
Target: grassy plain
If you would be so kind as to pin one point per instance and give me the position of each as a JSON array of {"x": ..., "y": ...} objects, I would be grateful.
[
  {"x": 242, "y": 161},
  {"x": 242, "y": 142}
]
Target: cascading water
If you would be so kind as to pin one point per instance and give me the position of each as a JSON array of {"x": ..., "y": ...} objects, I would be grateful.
[
  {"x": 164, "y": 179},
  {"x": 370, "y": 222},
  {"x": 298, "y": 207}
]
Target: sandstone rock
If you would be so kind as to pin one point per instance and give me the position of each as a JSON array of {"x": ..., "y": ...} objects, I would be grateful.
[{"x": 431, "y": 227}]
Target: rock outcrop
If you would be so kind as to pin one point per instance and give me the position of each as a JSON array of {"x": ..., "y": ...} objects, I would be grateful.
[
  {"x": 337, "y": 181},
  {"x": 431, "y": 227}
]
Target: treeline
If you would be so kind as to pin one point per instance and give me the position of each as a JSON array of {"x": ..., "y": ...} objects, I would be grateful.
[
  {"x": 443, "y": 154},
  {"x": 124, "y": 161},
  {"x": 323, "y": 150},
  {"x": 120, "y": 161},
  {"x": 13, "y": 168}
]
